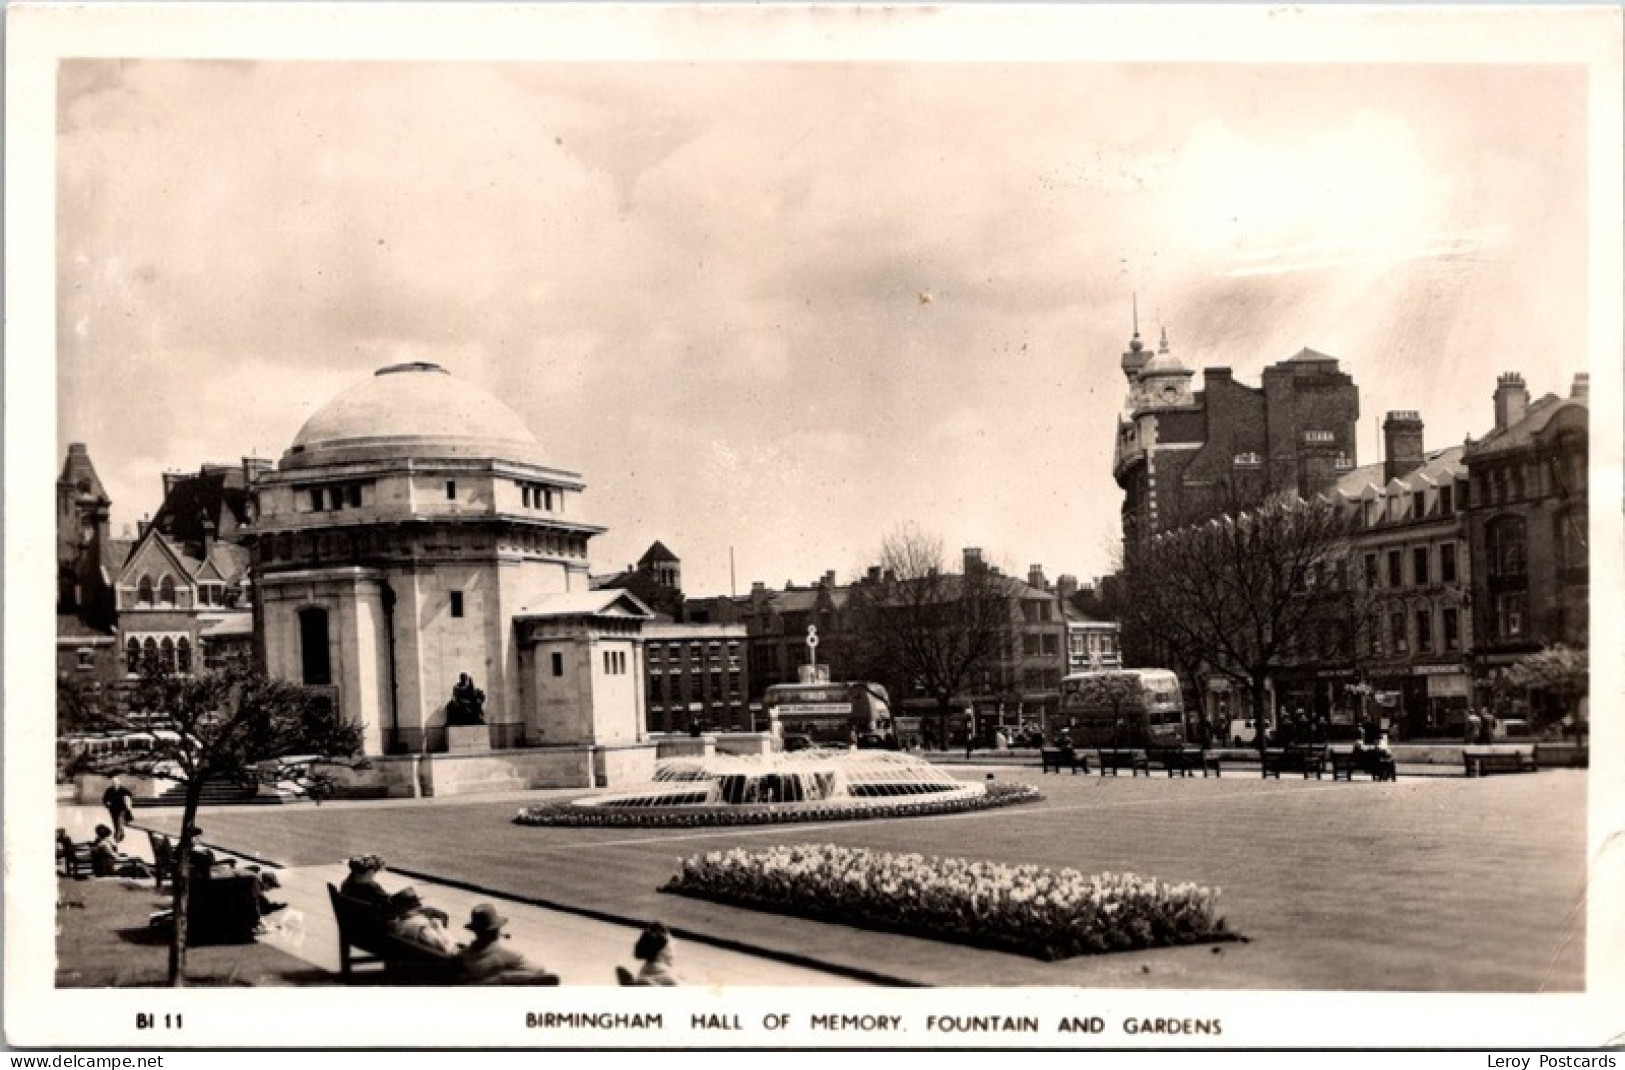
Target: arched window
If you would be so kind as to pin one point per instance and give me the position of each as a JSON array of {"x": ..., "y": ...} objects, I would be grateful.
[
  {"x": 149, "y": 649},
  {"x": 132, "y": 656},
  {"x": 183, "y": 656},
  {"x": 166, "y": 652},
  {"x": 166, "y": 591},
  {"x": 315, "y": 660},
  {"x": 143, "y": 591}
]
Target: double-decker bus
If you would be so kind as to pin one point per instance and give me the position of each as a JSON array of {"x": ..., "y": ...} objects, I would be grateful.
[
  {"x": 829, "y": 713},
  {"x": 1123, "y": 708}
]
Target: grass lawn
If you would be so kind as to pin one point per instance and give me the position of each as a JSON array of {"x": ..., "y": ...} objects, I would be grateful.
[{"x": 104, "y": 941}]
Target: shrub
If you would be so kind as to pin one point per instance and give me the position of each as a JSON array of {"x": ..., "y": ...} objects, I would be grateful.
[
  {"x": 1032, "y": 910},
  {"x": 569, "y": 814}
]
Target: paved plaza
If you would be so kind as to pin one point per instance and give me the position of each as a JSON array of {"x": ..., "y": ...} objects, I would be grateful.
[{"x": 1435, "y": 883}]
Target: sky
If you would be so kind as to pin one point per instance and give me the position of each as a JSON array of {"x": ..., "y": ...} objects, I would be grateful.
[{"x": 774, "y": 311}]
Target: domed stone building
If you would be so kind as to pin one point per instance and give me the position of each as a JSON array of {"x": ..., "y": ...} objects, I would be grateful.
[{"x": 414, "y": 535}]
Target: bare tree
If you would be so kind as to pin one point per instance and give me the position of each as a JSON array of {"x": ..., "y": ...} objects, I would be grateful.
[
  {"x": 1246, "y": 596},
  {"x": 916, "y": 626},
  {"x": 220, "y": 726}
]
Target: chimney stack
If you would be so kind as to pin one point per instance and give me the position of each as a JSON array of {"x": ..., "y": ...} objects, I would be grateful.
[
  {"x": 1401, "y": 444},
  {"x": 973, "y": 559},
  {"x": 1035, "y": 577},
  {"x": 1511, "y": 400},
  {"x": 829, "y": 578},
  {"x": 1582, "y": 386},
  {"x": 1066, "y": 586}
]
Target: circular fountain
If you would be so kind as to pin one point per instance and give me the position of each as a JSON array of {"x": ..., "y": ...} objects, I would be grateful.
[{"x": 807, "y": 785}]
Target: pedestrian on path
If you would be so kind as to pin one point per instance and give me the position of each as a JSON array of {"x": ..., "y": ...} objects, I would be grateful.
[{"x": 120, "y": 803}]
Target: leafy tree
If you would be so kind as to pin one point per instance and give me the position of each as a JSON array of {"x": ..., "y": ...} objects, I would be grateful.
[
  {"x": 219, "y": 726},
  {"x": 1561, "y": 673},
  {"x": 1118, "y": 693},
  {"x": 1243, "y": 595},
  {"x": 913, "y": 625}
]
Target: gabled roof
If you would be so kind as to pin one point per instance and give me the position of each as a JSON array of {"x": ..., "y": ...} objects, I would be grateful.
[
  {"x": 658, "y": 553},
  {"x": 609, "y": 602},
  {"x": 154, "y": 544},
  {"x": 1308, "y": 356}
]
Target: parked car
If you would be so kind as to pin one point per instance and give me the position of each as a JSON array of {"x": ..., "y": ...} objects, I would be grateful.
[
  {"x": 1513, "y": 728},
  {"x": 1243, "y": 732}
]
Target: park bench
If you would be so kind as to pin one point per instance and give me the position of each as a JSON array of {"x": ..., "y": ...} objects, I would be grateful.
[
  {"x": 364, "y": 938},
  {"x": 72, "y": 859},
  {"x": 1178, "y": 761},
  {"x": 1058, "y": 758},
  {"x": 1210, "y": 763},
  {"x": 1374, "y": 763},
  {"x": 1306, "y": 758},
  {"x": 1114, "y": 758},
  {"x": 163, "y": 858},
  {"x": 1481, "y": 761}
]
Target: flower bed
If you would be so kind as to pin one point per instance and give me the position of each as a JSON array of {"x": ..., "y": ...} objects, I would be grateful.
[
  {"x": 1046, "y": 913},
  {"x": 995, "y": 793}
]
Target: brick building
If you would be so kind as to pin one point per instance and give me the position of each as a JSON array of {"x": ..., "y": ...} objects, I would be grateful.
[
  {"x": 1527, "y": 518},
  {"x": 699, "y": 677},
  {"x": 1183, "y": 456}
]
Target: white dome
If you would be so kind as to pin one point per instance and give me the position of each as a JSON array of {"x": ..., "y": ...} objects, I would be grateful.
[{"x": 412, "y": 410}]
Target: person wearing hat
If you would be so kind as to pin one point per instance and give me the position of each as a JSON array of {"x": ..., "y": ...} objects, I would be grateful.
[
  {"x": 410, "y": 920},
  {"x": 362, "y": 883},
  {"x": 654, "y": 950},
  {"x": 486, "y": 962}
]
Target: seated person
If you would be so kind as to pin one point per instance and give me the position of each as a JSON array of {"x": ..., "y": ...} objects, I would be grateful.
[
  {"x": 362, "y": 883},
  {"x": 208, "y": 866},
  {"x": 653, "y": 949},
  {"x": 410, "y": 920},
  {"x": 486, "y": 962},
  {"x": 107, "y": 861}
]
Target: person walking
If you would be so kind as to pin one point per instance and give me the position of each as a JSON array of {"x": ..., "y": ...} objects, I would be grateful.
[{"x": 120, "y": 803}]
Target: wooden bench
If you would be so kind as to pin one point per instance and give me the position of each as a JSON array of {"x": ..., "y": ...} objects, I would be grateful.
[
  {"x": 1178, "y": 761},
  {"x": 1481, "y": 761},
  {"x": 1058, "y": 758},
  {"x": 1114, "y": 758},
  {"x": 364, "y": 938},
  {"x": 163, "y": 858},
  {"x": 1210, "y": 763},
  {"x": 1374, "y": 763},
  {"x": 1306, "y": 758},
  {"x": 72, "y": 859}
]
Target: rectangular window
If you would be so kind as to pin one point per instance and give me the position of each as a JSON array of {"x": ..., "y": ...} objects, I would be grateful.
[
  {"x": 1419, "y": 504},
  {"x": 547, "y": 499},
  {"x": 1029, "y": 645},
  {"x": 335, "y": 498},
  {"x": 1447, "y": 504},
  {"x": 1452, "y": 629},
  {"x": 1373, "y": 636},
  {"x": 1371, "y": 571},
  {"x": 317, "y": 499},
  {"x": 353, "y": 493},
  {"x": 1424, "y": 631},
  {"x": 1396, "y": 635},
  {"x": 1447, "y": 562},
  {"x": 451, "y": 490},
  {"x": 558, "y": 663},
  {"x": 524, "y": 494},
  {"x": 457, "y": 603},
  {"x": 1419, "y": 565},
  {"x": 1509, "y": 614},
  {"x": 1051, "y": 645},
  {"x": 1396, "y": 569}
]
